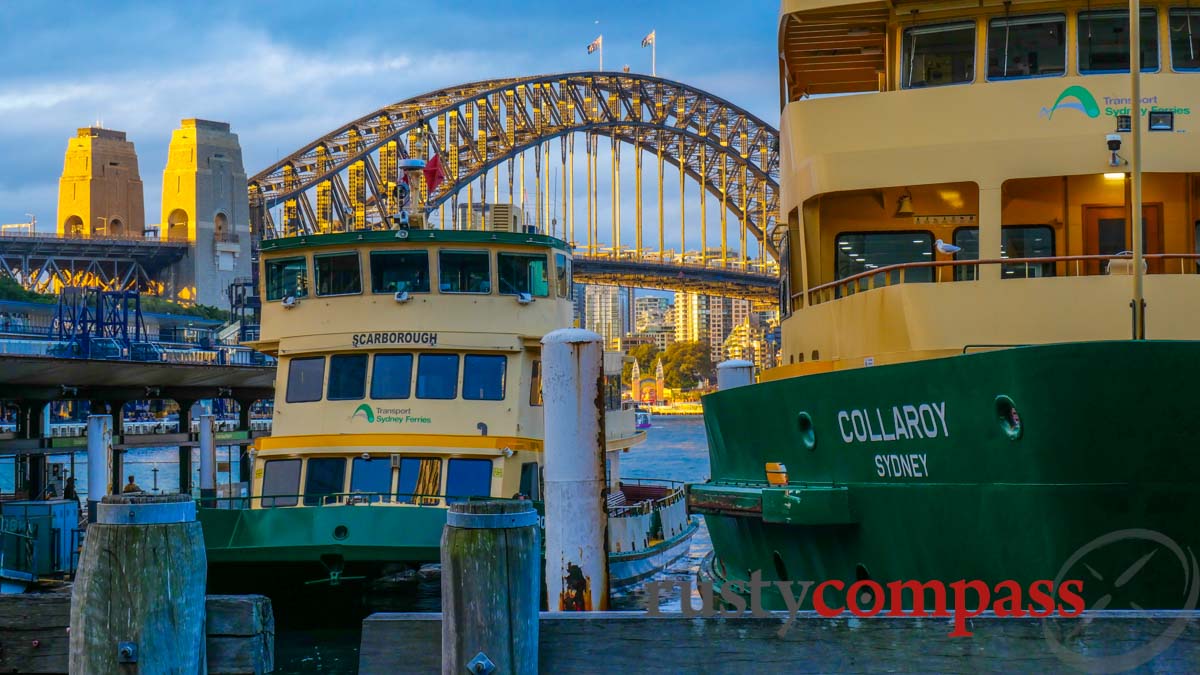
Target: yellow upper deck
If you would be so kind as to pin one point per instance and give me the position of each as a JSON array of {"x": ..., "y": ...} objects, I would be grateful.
[{"x": 983, "y": 124}]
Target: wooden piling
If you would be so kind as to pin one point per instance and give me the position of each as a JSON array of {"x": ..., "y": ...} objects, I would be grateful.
[
  {"x": 138, "y": 600},
  {"x": 491, "y": 581}
]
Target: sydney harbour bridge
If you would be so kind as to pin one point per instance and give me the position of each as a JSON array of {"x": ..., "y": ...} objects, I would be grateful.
[{"x": 516, "y": 141}]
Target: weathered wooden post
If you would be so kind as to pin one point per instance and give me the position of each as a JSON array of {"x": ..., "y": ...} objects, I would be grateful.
[
  {"x": 734, "y": 373},
  {"x": 137, "y": 604},
  {"x": 208, "y": 462},
  {"x": 99, "y": 454},
  {"x": 576, "y": 519},
  {"x": 491, "y": 574}
]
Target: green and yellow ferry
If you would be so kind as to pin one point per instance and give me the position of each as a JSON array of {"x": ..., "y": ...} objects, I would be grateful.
[
  {"x": 408, "y": 379},
  {"x": 959, "y": 395}
]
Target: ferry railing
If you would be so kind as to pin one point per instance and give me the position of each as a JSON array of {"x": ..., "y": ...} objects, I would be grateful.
[
  {"x": 326, "y": 499},
  {"x": 675, "y": 494},
  {"x": 883, "y": 276}
]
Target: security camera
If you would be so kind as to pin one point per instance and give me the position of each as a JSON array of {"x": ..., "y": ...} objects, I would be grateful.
[
  {"x": 1114, "y": 141},
  {"x": 402, "y": 219}
]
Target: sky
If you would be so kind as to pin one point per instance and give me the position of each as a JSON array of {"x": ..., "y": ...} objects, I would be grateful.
[{"x": 285, "y": 73}]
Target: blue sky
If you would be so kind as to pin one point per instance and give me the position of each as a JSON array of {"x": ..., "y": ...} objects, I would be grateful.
[{"x": 284, "y": 73}]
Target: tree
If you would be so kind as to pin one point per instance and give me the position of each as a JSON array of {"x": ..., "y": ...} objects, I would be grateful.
[
  {"x": 686, "y": 363},
  {"x": 645, "y": 355}
]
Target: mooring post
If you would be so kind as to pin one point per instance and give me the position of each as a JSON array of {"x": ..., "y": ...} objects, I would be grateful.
[
  {"x": 137, "y": 604},
  {"x": 491, "y": 573},
  {"x": 99, "y": 452},
  {"x": 576, "y": 519},
  {"x": 734, "y": 373},
  {"x": 208, "y": 462}
]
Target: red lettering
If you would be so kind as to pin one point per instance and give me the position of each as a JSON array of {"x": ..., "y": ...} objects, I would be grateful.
[
  {"x": 896, "y": 598},
  {"x": 1039, "y": 592},
  {"x": 1072, "y": 598},
  {"x": 961, "y": 613},
  {"x": 860, "y": 588},
  {"x": 1011, "y": 605},
  {"x": 819, "y": 599}
]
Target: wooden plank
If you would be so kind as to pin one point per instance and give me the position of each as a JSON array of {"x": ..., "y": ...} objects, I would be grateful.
[
  {"x": 633, "y": 641},
  {"x": 34, "y": 636}
]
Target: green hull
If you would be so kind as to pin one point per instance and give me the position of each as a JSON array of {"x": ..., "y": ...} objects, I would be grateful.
[{"x": 948, "y": 488}]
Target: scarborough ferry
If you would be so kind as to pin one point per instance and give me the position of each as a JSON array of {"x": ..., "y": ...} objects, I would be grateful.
[
  {"x": 409, "y": 378},
  {"x": 983, "y": 377}
]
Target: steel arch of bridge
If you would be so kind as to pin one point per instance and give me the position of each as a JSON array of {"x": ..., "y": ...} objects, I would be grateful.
[{"x": 476, "y": 127}]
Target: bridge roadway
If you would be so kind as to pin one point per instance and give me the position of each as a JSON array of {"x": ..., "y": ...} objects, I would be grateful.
[
  {"x": 120, "y": 263},
  {"x": 759, "y": 287}
]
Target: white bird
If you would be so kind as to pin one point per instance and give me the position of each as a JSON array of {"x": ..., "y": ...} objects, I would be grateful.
[{"x": 947, "y": 248}]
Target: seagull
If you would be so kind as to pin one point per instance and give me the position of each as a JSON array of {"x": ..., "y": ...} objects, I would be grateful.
[{"x": 947, "y": 248}]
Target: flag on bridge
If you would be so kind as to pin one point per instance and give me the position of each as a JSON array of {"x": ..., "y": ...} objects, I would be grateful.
[
  {"x": 595, "y": 44},
  {"x": 434, "y": 175},
  {"x": 648, "y": 40}
]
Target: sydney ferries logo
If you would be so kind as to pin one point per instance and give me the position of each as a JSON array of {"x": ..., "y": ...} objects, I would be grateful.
[
  {"x": 1075, "y": 98},
  {"x": 366, "y": 412}
]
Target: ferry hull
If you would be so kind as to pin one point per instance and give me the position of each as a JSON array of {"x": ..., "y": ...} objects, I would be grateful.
[{"x": 918, "y": 472}]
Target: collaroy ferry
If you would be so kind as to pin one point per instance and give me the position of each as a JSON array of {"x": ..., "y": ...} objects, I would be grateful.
[
  {"x": 960, "y": 396},
  {"x": 409, "y": 379}
]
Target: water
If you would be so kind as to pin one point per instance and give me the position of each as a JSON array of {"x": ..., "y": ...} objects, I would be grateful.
[{"x": 153, "y": 469}]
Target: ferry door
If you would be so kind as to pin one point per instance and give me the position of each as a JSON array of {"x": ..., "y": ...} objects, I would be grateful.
[{"x": 1106, "y": 232}]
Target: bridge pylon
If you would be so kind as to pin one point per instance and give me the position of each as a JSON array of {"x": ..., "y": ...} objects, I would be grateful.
[{"x": 100, "y": 191}]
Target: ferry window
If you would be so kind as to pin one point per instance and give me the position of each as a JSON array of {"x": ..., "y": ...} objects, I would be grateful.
[
  {"x": 419, "y": 476},
  {"x": 281, "y": 482},
  {"x": 347, "y": 377},
  {"x": 531, "y": 486},
  {"x": 287, "y": 276},
  {"x": 1185, "y": 38},
  {"x": 305, "y": 377},
  {"x": 1027, "y": 46},
  {"x": 437, "y": 375},
  {"x": 936, "y": 55},
  {"x": 396, "y": 271},
  {"x": 562, "y": 274},
  {"x": 325, "y": 476},
  {"x": 483, "y": 377},
  {"x": 464, "y": 272},
  {"x": 338, "y": 274},
  {"x": 858, "y": 252},
  {"x": 1016, "y": 241},
  {"x": 1104, "y": 41},
  {"x": 468, "y": 478},
  {"x": 391, "y": 376},
  {"x": 535, "y": 384},
  {"x": 372, "y": 475},
  {"x": 523, "y": 273}
]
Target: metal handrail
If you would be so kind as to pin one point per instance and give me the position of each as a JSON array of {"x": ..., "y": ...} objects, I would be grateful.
[
  {"x": 813, "y": 293},
  {"x": 341, "y": 499}
]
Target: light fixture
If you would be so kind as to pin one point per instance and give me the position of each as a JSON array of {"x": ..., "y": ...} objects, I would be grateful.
[
  {"x": 904, "y": 207},
  {"x": 1114, "y": 176},
  {"x": 1162, "y": 120},
  {"x": 1124, "y": 124}
]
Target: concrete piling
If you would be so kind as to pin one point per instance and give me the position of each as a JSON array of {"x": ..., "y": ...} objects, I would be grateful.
[
  {"x": 99, "y": 452},
  {"x": 574, "y": 472}
]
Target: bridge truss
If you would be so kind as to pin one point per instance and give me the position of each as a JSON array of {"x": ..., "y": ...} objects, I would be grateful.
[{"x": 482, "y": 130}]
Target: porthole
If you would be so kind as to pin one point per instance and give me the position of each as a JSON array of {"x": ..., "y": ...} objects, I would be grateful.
[{"x": 1008, "y": 418}]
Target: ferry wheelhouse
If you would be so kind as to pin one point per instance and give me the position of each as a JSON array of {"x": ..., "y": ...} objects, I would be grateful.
[
  {"x": 409, "y": 378},
  {"x": 959, "y": 396}
]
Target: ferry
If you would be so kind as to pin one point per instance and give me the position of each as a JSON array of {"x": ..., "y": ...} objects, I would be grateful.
[
  {"x": 409, "y": 379},
  {"x": 985, "y": 374}
]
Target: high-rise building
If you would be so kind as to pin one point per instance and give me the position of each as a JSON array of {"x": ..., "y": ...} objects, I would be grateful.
[
  {"x": 603, "y": 314},
  {"x": 724, "y": 314},
  {"x": 649, "y": 311},
  {"x": 579, "y": 300},
  {"x": 691, "y": 317}
]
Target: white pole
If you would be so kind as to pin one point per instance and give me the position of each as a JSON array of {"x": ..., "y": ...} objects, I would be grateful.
[
  {"x": 208, "y": 462},
  {"x": 734, "y": 373},
  {"x": 576, "y": 515},
  {"x": 1135, "y": 68},
  {"x": 99, "y": 452}
]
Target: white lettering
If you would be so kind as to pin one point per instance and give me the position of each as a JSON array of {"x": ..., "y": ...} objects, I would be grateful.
[
  {"x": 930, "y": 429},
  {"x": 913, "y": 420},
  {"x": 843, "y": 418},
  {"x": 886, "y": 435},
  {"x": 871, "y": 432},
  {"x": 941, "y": 411},
  {"x": 898, "y": 422},
  {"x": 860, "y": 425}
]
